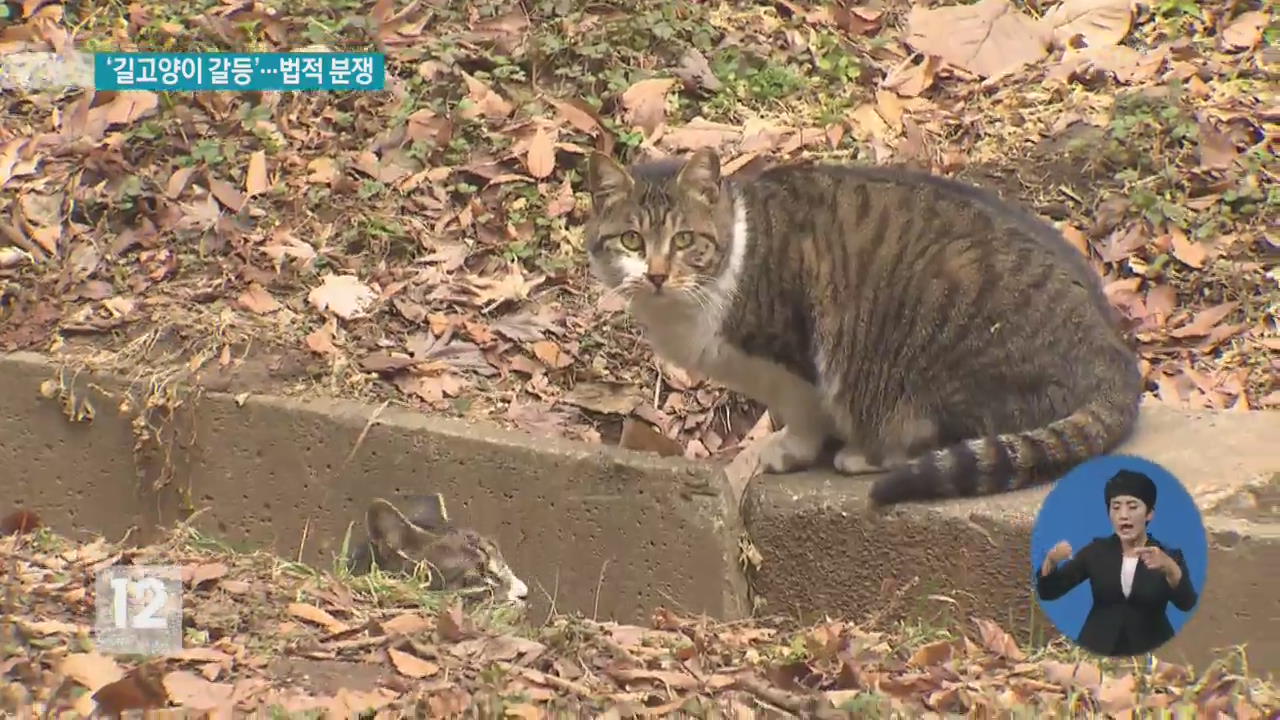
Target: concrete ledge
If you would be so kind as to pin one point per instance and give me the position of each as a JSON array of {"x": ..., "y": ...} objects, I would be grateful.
[
  {"x": 822, "y": 553},
  {"x": 613, "y": 533},
  {"x": 603, "y": 531}
]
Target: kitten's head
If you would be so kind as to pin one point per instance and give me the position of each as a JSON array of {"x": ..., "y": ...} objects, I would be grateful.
[
  {"x": 653, "y": 233},
  {"x": 458, "y": 559}
]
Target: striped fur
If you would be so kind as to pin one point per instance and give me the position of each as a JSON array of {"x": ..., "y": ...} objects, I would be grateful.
[
  {"x": 925, "y": 326},
  {"x": 422, "y": 537}
]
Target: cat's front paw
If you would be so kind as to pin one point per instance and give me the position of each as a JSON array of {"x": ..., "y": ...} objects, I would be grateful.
[
  {"x": 849, "y": 461},
  {"x": 785, "y": 451}
]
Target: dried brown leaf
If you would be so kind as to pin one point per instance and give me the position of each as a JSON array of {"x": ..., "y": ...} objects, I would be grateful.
[
  {"x": 320, "y": 341},
  {"x": 579, "y": 114},
  {"x": 255, "y": 179},
  {"x": 1205, "y": 321},
  {"x": 699, "y": 134},
  {"x": 1217, "y": 149},
  {"x": 551, "y": 354},
  {"x": 186, "y": 689},
  {"x": 50, "y": 627},
  {"x": 1099, "y": 22},
  {"x": 411, "y": 665},
  {"x": 1076, "y": 238},
  {"x": 11, "y": 257},
  {"x": 178, "y": 182},
  {"x": 323, "y": 171},
  {"x": 563, "y": 202},
  {"x": 1188, "y": 251},
  {"x": 406, "y": 624},
  {"x": 1245, "y": 31},
  {"x": 226, "y": 194},
  {"x": 17, "y": 159},
  {"x": 645, "y": 103},
  {"x": 541, "y": 158},
  {"x": 342, "y": 295},
  {"x": 613, "y": 398},
  {"x": 91, "y": 669},
  {"x": 513, "y": 285},
  {"x": 1125, "y": 64},
  {"x": 127, "y": 107},
  {"x": 316, "y": 615},
  {"x": 667, "y": 678},
  {"x": 453, "y": 624},
  {"x": 997, "y": 640},
  {"x": 990, "y": 38},
  {"x": 934, "y": 653},
  {"x": 1161, "y": 301},
  {"x": 638, "y": 435},
  {"x": 257, "y": 300},
  {"x": 867, "y": 122},
  {"x": 385, "y": 362},
  {"x": 195, "y": 575},
  {"x": 910, "y": 78},
  {"x": 696, "y": 71},
  {"x": 432, "y": 388},
  {"x": 1117, "y": 694},
  {"x": 485, "y": 101},
  {"x": 201, "y": 654},
  {"x": 1072, "y": 675}
]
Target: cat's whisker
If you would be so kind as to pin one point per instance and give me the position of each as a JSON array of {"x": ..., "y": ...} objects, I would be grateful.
[
  {"x": 617, "y": 291},
  {"x": 707, "y": 302}
]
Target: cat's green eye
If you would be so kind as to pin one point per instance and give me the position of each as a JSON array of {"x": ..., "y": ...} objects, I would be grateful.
[
  {"x": 631, "y": 240},
  {"x": 682, "y": 240}
]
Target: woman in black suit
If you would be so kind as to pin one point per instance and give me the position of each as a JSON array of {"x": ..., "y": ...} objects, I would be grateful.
[{"x": 1133, "y": 576}]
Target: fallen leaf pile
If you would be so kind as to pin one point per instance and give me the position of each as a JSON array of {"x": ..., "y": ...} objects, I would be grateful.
[
  {"x": 264, "y": 636},
  {"x": 424, "y": 244}
]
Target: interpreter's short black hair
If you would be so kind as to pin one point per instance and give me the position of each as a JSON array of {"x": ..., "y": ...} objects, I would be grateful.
[{"x": 1134, "y": 484}]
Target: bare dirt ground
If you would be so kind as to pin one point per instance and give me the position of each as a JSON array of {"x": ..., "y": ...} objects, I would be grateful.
[
  {"x": 265, "y": 635},
  {"x": 423, "y": 246}
]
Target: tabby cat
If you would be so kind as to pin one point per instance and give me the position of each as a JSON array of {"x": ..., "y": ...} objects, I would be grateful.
[
  {"x": 457, "y": 559},
  {"x": 891, "y": 320}
]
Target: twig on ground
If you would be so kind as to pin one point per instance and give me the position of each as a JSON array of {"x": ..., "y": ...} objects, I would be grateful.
[
  {"x": 373, "y": 417},
  {"x": 766, "y": 693}
]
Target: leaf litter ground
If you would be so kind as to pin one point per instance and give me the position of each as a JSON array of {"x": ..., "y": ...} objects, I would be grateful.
[
  {"x": 424, "y": 245},
  {"x": 265, "y": 635}
]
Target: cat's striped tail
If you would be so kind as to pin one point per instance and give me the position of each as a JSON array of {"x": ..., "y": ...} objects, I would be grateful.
[{"x": 985, "y": 466}]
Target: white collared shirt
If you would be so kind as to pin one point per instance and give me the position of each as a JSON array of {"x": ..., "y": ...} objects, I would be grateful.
[{"x": 1128, "y": 566}]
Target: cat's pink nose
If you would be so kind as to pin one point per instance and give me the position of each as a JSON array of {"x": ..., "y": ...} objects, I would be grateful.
[{"x": 656, "y": 278}]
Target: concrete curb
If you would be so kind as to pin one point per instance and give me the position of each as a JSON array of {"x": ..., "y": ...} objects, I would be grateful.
[
  {"x": 639, "y": 531},
  {"x": 612, "y": 533}
]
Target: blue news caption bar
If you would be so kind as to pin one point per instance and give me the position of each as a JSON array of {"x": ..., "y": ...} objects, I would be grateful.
[{"x": 161, "y": 72}]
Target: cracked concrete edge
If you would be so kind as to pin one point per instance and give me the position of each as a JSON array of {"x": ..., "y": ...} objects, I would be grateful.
[{"x": 604, "y": 531}]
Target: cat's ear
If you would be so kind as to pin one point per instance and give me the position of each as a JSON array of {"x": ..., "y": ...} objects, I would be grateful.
[
  {"x": 429, "y": 511},
  {"x": 389, "y": 528},
  {"x": 700, "y": 176},
  {"x": 607, "y": 180}
]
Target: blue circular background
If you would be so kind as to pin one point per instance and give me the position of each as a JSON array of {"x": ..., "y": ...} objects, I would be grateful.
[{"x": 1075, "y": 511}]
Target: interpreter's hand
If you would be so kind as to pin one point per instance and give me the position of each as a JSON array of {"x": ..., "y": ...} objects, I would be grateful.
[
  {"x": 1155, "y": 559},
  {"x": 1056, "y": 554},
  {"x": 1059, "y": 552}
]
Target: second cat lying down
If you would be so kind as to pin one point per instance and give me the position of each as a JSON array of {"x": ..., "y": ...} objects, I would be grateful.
[{"x": 423, "y": 538}]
